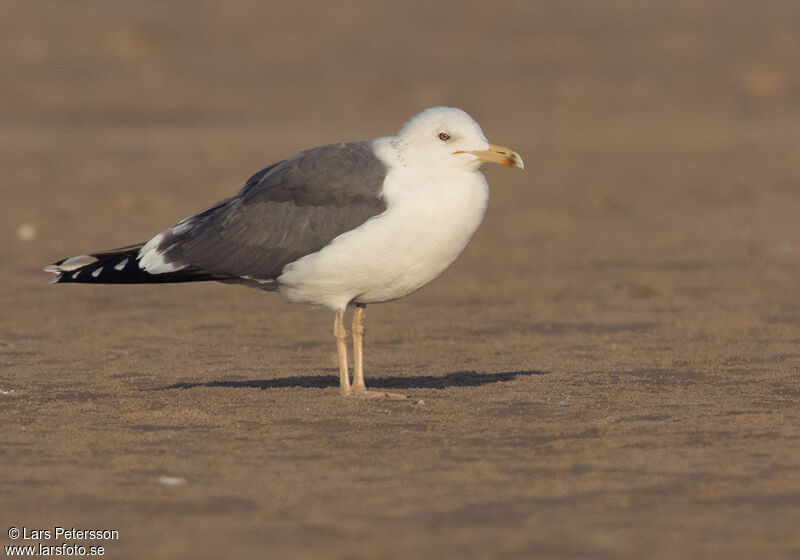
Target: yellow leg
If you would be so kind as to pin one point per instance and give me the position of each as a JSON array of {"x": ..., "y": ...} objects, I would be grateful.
[
  {"x": 341, "y": 347},
  {"x": 359, "y": 389},
  {"x": 358, "y": 348}
]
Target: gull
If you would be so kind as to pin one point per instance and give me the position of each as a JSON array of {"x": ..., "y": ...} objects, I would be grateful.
[{"x": 342, "y": 225}]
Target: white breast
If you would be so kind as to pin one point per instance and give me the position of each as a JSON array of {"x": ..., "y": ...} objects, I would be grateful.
[{"x": 428, "y": 222}]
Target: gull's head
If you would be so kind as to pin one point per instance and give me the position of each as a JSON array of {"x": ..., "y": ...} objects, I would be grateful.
[{"x": 447, "y": 139}]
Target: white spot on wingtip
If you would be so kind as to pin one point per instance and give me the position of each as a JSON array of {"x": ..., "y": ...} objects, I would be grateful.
[
  {"x": 97, "y": 272},
  {"x": 74, "y": 276},
  {"x": 151, "y": 258},
  {"x": 122, "y": 264},
  {"x": 154, "y": 263},
  {"x": 151, "y": 245},
  {"x": 78, "y": 261}
]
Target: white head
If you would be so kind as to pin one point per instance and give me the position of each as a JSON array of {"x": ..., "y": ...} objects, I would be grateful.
[{"x": 448, "y": 139}]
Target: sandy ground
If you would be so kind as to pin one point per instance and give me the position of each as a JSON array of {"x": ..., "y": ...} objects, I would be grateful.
[{"x": 610, "y": 371}]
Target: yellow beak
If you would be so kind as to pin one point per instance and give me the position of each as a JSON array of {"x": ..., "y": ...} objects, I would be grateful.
[{"x": 498, "y": 154}]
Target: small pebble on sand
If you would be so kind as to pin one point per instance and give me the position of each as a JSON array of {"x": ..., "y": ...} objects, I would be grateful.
[
  {"x": 171, "y": 480},
  {"x": 26, "y": 232}
]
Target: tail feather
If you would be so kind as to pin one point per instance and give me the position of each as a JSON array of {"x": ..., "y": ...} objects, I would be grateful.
[{"x": 119, "y": 266}]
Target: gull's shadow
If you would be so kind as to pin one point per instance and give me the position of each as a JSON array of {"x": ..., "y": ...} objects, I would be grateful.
[{"x": 455, "y": 379}]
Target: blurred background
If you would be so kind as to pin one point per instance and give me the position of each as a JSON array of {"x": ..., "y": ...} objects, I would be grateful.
[
  {"x": 672, "y": 120},
  {"x": 645, "y": 266}
]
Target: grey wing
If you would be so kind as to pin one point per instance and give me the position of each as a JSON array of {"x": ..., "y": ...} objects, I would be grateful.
[{"x": 285, "y": 211}]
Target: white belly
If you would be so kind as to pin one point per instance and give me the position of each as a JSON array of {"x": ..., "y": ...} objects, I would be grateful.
[{"x": 427, "y": 223}]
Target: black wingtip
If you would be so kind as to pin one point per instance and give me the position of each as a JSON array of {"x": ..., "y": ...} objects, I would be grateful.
[
  {"x": 120, "y": 266},
  {"x": 112, "y": 267}
]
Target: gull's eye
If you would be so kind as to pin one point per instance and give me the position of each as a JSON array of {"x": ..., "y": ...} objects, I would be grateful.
[{"x": 444, "y": 137}]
